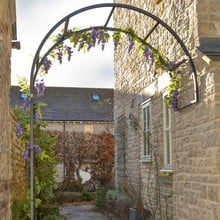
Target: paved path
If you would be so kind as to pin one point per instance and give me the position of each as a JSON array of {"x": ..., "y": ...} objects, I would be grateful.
[{"x": 81, "y": 212}]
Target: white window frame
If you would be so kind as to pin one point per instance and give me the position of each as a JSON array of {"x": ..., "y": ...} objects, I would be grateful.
[
  {"x": 167, "y": 138},
  {"x": 146, "y": 131}
]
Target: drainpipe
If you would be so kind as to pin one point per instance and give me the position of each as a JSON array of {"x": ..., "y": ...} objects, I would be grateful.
[{"x": 63, "y": 148}]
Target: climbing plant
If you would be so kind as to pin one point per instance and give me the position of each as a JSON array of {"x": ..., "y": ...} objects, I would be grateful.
[
  {"x": 45, "y": 159},
  {"x": 78, "y": 40}
]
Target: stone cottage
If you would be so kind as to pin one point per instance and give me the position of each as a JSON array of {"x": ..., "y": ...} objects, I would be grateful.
[
  {"x": 71, "y": 110},
  {"x": 170, "y": 157}
]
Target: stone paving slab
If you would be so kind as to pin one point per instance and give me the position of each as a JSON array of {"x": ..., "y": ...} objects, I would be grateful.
[{"x": 82, "y": 212}]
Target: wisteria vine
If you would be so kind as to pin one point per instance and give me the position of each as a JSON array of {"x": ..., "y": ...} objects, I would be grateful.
[
  {"x": 21, "y": 128},
  {"x": 85, "y": 40}
]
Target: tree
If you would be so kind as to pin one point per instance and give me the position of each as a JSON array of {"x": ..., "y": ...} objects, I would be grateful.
[{"x": 102, "y": 169}]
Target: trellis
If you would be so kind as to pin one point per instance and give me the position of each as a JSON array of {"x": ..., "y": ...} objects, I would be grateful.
[{"x": 65, "y": 23}]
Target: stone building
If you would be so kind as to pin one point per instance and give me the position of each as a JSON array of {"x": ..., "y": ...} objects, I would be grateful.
[
  {"x": 176, "y": 168},
  {"x": 73, "y": 110},
  {"x": 11, "y": 165}
]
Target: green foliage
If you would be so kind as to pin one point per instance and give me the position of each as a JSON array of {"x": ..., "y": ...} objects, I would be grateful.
[
  {"x": 117, "y": 36},
  {"x": 24, "y": 85},
  {"x": 171, "y": 88},
  {"x": 50, "y": 212},
  {"x": 86, "y": 196},
  {"x": 100, "y": 200},
  {"x": 45, "y": 160},
  {"x": 84, "y": 40},
  {"x": 52, "y": 217},
  {"x": 17, "y": 209}
]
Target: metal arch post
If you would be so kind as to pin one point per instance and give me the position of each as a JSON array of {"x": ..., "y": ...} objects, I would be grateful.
[{"x": 36, "y": 65}]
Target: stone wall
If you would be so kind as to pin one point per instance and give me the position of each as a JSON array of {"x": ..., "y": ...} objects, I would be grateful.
[
  {"x": 192, "y": 190},
  {"x": 208, "y": 18},
  {"x": 18, "y": 166},
  {"x": 11, "y": 164},
  {"x": 80, "y": 126},
  {"x": 5, "y": 150}
]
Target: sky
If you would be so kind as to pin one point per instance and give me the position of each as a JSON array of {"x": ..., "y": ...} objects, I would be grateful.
[{"x": 36, "y": 17}]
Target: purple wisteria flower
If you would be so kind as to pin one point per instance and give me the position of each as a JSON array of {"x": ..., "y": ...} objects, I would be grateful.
[
  {"x": 36, "y": 148},
  {"x": 131, "y": 43},
  {"x": 131, "y": 46},
  {"x": 25, "y": 104},
  {"x": 47, "y": 64},
  {"x": 148, "y": 55},
  {"x": 19, "y": 130},
  {"x": 26, "y": 154},
  {"x": 174, "y": 100},
  {"x": 40, "y": 87},
  {"x": 115, "y": 44},
  {"x": 60, "y": 55},
  {"x": 94, "y": 34},
  {"x": 69, "y": 52},
  {"x": 171, "y": 65},
  {"x": 101, "y": 38}
]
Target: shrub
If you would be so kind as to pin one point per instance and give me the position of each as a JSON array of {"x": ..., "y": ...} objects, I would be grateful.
[
  {"x": 68, "y": 197},
  {"x": 86, "y": 196},
  {"x": 100, "y": 200},
  {"x": 111, "y": 198},
  {"x": 118, "y": 204},
  {"x": 49, "y": 213}
]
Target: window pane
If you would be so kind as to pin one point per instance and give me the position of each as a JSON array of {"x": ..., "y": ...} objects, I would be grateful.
[
  {"x": 146, "y": 120},
  {"x": 148, "y": 117},
  {"x": 167, "y": 121},
  {"x": 145, "y": 143},
  {"x": 167, "y": 136},
  {"x": 168, "y": 147}
]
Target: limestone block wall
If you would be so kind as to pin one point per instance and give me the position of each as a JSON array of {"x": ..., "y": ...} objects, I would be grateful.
[
  {"x": 193, "y": 188},
  {"x": 79, "y": 126},
  {"x": 5, "y": 150},
  {"x": 11, "y": 164},
  {"x": 208, "y": 18},
  {"x": 18, "y": 166}
]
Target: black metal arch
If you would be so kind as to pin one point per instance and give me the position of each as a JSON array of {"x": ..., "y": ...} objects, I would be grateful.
[
  {"x": 37, "y": 61},
  {"x": 65, "y": 21}
]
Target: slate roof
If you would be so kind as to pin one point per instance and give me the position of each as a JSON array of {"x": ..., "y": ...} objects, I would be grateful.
[{"x": 73, "y": 104}]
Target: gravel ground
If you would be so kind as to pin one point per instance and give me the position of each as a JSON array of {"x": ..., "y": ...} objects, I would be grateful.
[{"x": 82, "y": 212}]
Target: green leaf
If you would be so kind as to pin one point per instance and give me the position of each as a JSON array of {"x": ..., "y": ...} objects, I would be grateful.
[{"x": 43, "y": 155}]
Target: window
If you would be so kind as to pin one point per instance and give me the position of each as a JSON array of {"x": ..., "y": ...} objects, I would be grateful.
[
  {"x": 95, "y": 97},
  {"x": 167, "y": 138},
  {"x": 23, "y": 95},
  {"x": 146, "y": 131}
]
